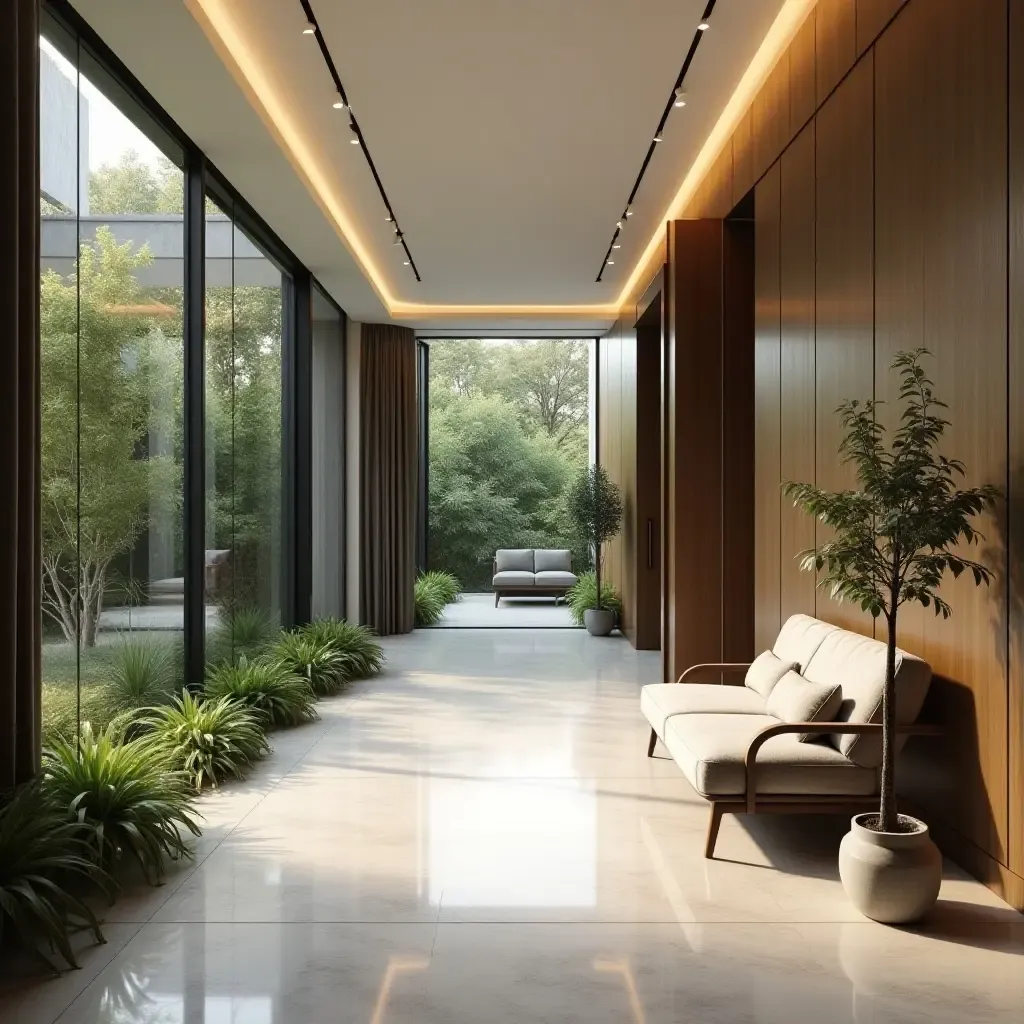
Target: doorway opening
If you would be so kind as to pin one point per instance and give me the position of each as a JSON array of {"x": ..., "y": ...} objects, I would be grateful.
[{"x": 506, "y": 426}]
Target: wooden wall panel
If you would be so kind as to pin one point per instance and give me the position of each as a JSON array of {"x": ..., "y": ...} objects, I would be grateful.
[
  {"x": 802, "y": 74},
  {"x": 941, "y": 155},
  {"x": 770, "y": 117},
  {"x": 628, "y": 539},
  {"x": 796, "y": 273},
  {"x": 835, "y": 43},
  {"x": 742, "y": 159},
  {"x": 767, "y": 387},
  {"x": 648, "y": 481},
  {"x": 844, "y": 289},
  {"x": 1016, "y": 438},
  {"x": 872, "y": 17}
]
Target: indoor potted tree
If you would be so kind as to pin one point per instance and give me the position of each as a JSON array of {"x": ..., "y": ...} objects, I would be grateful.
[
  {"x": 595, "y": 506},
  {"x": 894, "y": 539}
]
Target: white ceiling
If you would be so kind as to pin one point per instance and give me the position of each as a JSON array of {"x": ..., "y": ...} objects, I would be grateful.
[{"x": 507, "y": 135}]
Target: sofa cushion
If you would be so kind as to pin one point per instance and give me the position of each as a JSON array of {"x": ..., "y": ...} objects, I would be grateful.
[
  {"x": 555, "y": 578},
  {"x": 710, "y": 750},
  {"x": 660, "y": 701},
  {"x": 513, "y": 560},
  {"x": 552, "y": 560},
  {"x": 857, "y": 664},
  {"x": 512, "y": 578},
  {"x": 799, "y": 638},
  {"x": 764, "y": 672},
  {"x": 796, "y": 699}
]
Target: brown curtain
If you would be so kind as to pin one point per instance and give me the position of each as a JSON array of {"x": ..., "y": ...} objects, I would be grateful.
[
  {"x": 20, "y": 556},
  {"x": 388, "y": 463}
]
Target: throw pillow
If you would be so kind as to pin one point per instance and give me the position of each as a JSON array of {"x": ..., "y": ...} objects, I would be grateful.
[
  {"x": 795, "y": 699},
  {"x": 765, "y": 671}
]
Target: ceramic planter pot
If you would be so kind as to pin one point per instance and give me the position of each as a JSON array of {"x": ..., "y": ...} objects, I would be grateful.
[
  {"x": 892, "y": 877},
  {"x": 599, "y": 621}
]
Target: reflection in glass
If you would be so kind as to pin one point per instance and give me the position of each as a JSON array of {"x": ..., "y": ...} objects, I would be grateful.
[{"x": 111, "y": 301}]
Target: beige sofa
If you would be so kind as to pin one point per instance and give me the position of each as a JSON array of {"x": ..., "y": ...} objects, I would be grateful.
[{"x": 743, "y": 756}]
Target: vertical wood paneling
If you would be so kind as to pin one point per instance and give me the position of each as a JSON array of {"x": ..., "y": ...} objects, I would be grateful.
[
  {"x": 872, "y": 17},
  {"x": 1016, "y": 438},
  {"x": 802, "y": 74},
  {"x": 835, "y": 43},
  {"x": 648, "y": 482},
  {"x": 770, "y": 113},
  {"x": 742, "y": 159},
  {"x": 767, "y": 385},
  {"x": 941, "y": 156},
  {"x": 796, "y": 275},
  {"x": 844, "y": 288}
]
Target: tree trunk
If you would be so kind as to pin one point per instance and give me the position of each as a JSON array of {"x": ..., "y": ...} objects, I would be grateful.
[
  {"x": 887, "y": 816},
  {"x": 597, "y": 573}
]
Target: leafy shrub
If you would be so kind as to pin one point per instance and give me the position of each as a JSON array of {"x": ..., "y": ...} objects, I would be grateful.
[
  {"x": 428, "y": 596},
  {"x": 123, "y": 797},
  {"x": 143, "y": 673},
  {"x": 207, "y": 739},
  {"x": 362, "y": 656},
  {"x": 446, "y": 584},
  {"x": 245, "y": 631},
  {"x": 269, "y": 688},
  {"x": 316, "y": 661},
  {"x": 100, "y": 706},
  {"x": 43, "y": 861},
  {"x": 583, "y": 596}
]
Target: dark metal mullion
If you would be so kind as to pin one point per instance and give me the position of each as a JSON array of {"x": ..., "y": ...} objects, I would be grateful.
[{"x": 194, "y": 505}]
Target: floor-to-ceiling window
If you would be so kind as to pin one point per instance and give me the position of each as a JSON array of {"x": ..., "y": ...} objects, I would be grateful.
[{"x": 111, "y": 298}]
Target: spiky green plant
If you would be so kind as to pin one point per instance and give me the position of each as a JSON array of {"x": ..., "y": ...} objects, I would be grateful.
[
  {"x": 583, "y": 596},
  {"x": 269, "y": 688},
  {"x": 429, "y": 599},
  {"x": 362, "y": 656},
  {"x": 124, "y": 798},
  {"x": 43, "y": 865},
  {"x": 244, "y": 632},
  {"x": 445, "y": 584},
  {"x": 896, "y": 535},
  {"x": 143, "y": 674},
  {"x": 207, "y": 739},
  {"x": 317, "y": 661}
]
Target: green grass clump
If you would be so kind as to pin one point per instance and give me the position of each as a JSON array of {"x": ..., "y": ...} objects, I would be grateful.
[
  {"x": 430, "y": 593},
  {"x": 317, "y": 661},
  {"x": 123, "y": 798},
  {"x": 446, "y": 584},
  {"x": 584, "y": 595},
  {"x": 362, "y": 656},
  {"x": 244, "y": 631},
  {"x": 208, "y": 739},
  {"x": 145, "y": 673},
  {"x": 268, "y": 688},
  {"x": 44, "y": 863}
]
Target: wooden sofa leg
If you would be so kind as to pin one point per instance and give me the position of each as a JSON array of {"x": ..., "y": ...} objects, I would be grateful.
[
  {"x": 714, "y": 823},
  {"x": 497, "y": 598},
  {"x": 651, "y": 744}
]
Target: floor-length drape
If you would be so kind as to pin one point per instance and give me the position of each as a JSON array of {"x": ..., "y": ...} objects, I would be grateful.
[
  {"x": 20, "y": 626},
  {"x": 388, "y": 454}
]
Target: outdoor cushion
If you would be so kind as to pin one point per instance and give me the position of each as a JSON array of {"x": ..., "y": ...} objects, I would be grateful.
[
  {"x": 799, "y": 638},
  {"x": 552, "y": 560},
  {"x": 710, "y": 750},
  {"x": 857, "y": 664},
  {"x": 659, "y": 701},
  {"x": 764, "y": 672},
  {"x": 553, "y": 578},
  {"x": 514, "y": 559},
  {"x": 796, "y": 699},
  {"x": 512, "y": 578}
]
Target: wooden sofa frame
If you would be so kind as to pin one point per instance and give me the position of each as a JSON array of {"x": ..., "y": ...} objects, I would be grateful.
[
  {"x": 781, "y": 803},
  {"x": 531, "y": 590}
]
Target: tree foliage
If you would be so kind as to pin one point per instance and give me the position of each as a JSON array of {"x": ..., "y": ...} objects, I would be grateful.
[
  {"x": 897, "y": 534},
  {"x": 594, "y": 504}
]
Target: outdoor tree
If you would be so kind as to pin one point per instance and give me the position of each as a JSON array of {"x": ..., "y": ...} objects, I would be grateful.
[
  {"x": 895, "y": 536},
  {"x": 133, "y": 186},
  {"x": 97, "y": 474},
  {"x": 595, "y": 505}
]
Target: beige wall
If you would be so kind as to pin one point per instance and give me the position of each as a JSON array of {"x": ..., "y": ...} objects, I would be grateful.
[{"x": 352, "y": 527}]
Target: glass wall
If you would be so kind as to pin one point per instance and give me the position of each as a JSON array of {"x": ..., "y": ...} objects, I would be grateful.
[
  {"x": 243, "y": 350},
  {"x": 167, "y": 527},
  {"x": 111, "y": 296}
]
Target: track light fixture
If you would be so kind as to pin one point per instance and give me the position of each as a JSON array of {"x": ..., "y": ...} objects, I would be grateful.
[
  {"x": 677, "y": 98},
  {"x": 616, "y": 245},
  {"x": 310, "y": 29},
  {"x": 398, "y": 238},
  {"x": 338, "y": 104}
]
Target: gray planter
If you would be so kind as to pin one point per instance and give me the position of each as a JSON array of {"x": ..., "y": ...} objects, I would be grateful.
[{"x": 599, "y": 621}]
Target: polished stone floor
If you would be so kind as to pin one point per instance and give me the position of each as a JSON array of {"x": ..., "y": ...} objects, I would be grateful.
[
  {"x": 477, "y": 611},
  {"x": 477, "y": 836}
]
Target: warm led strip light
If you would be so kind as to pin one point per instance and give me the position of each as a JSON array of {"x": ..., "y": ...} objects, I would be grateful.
[{"x": 220, "y": 27}]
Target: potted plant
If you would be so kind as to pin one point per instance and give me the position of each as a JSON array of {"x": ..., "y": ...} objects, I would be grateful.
[
  {"x": 595, "y": 507},
  {"x": 895, "y": 537}
]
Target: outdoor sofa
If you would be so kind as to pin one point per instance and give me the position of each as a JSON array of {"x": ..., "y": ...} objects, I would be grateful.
[{"x": 540, "y": 572}]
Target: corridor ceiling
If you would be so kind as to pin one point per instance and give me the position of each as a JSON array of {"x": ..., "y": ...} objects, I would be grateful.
[{"x": 506, "y": 133}]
